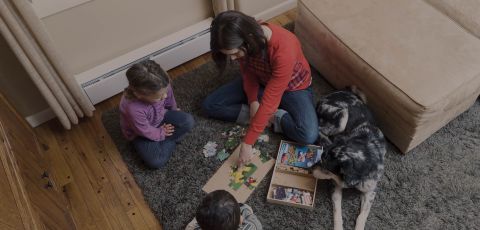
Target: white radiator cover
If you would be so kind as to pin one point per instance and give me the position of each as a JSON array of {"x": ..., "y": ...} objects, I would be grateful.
[{"x": 108, "y": 79}]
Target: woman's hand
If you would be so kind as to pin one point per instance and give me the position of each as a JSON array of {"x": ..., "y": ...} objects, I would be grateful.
[
  {"x": 254, "y": 108},
  {"x": 168, "y": 129},
  {"x": 245, "y": 155}
]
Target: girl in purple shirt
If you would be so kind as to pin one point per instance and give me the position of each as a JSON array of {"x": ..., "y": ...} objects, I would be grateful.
[{"x": 150, "y": 118}]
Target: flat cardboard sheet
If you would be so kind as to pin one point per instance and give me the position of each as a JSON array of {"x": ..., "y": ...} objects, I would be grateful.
[{"x": 221, "y": 178}]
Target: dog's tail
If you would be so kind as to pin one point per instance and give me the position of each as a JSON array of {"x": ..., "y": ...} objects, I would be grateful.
[{"x": 355, "y": 90}]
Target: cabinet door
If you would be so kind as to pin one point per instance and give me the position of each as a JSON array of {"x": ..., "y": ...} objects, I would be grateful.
[{"x": 22, "y": 151}]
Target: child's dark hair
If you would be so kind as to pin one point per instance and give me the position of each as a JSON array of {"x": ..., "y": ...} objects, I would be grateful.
[
  {"x": 232, "y": 30},
  {"x": 219, "y": 211},
  {"x": 146, "y": 77}
]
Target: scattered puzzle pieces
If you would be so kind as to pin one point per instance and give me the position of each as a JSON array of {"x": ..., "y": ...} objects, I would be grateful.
[
  {"x": 232, "y": 139},
  {"x": 264, "y": 157},
  {"x": 263, "y": 138},
  {"x": 210, "y": 149},
  {"x": 222, "y": 155},
  {"x": 236, "y": 131},
  {"x": 261, "y": 148},
  {"x": 231, "y": 143}
]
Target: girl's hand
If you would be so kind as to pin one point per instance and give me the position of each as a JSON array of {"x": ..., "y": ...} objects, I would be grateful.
[
  {"x": 254, "y": 108},
  {"x": 169, "y": 129},
  {"x": 245, "y": 155}
]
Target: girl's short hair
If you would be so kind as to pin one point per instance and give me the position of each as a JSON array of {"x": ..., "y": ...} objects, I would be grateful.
[
  {"x": 219, "y": 210},
  {"x": 235, "y": 30},
  {"x": 146, "y": 77}
]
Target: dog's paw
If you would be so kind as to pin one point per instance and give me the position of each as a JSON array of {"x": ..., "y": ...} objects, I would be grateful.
[
  {"x": 321, "y": 174},
  {"x": 316, "y": 172}
]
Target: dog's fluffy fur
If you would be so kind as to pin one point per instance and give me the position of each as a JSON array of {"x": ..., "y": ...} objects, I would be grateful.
[{"x": 354, "y": 149}]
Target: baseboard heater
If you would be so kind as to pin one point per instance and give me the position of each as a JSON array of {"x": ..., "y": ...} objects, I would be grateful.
[{"x": 108, "y": 79}]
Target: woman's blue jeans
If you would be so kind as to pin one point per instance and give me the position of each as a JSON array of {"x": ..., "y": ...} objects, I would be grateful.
[{"x": 299, "y": 123}]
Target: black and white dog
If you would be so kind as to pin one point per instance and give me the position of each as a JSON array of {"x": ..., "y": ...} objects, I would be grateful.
[{"x": 354, "y": 150}]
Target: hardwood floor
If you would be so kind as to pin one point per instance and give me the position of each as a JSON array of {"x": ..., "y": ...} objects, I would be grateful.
[{"x": 87, "y": 167}]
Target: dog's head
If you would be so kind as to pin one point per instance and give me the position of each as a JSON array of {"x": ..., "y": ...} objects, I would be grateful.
[
  {"x": 340, "y": 160},
  {"x": 352, "y": 163},
  {"x": 332, "y": 120}
]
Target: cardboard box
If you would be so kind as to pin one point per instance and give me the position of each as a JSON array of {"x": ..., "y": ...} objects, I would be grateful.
[{"x": 292, "y": 181}]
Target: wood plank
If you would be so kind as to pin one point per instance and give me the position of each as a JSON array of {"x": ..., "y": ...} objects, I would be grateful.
[
  {"x": 6, "y": 226},
  {"x": 13, "y": 131},
  {"x": 117, "y": 217},
  {"x": 50, "y": 210},
  {"x": 79, "y": 142},
  {"x": 137, "y": 219},
  {"x": 108, "y": 197},
  {"x": 134, "y": 199},
  {"x": 106, "y": 145},
  {"x": 121, "y": 191},
  {"x": 206, "y": 57},
  {"x": 292, "y": 14},
  {"x": 150, "y": 219},
  {"x": 282, "y": 19},
  {"x": 83, "y": 178},
  {"x": 129, "y": 183},
  {"x": 60, "y": 170},
  {"x": 177, "y": 71},
  {"x": 191, "y": 65},
  {"x": 80, "y": 211},
  {"x": 273, "y": 21},
  {"x": 9, "y": 213},
  {"x": 106, "y": 150}
]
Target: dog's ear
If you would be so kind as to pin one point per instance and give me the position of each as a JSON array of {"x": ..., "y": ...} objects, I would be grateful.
[
  {"x": 332, "y": 120},
  {"x": 342, "y": 116},
  {"x": 349, "y": 165}
]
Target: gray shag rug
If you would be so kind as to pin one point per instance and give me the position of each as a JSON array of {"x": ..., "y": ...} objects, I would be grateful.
[{"x": 435, "y": 186}]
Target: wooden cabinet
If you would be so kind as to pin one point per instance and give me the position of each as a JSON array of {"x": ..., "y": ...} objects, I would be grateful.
[{"x": 29, "y": 198}]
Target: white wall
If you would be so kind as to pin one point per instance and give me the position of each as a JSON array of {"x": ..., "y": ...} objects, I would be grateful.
[{"x": 97, "y": 31}]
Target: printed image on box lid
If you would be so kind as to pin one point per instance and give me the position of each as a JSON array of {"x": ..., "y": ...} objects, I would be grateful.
[{"x": 299, "y": 155}]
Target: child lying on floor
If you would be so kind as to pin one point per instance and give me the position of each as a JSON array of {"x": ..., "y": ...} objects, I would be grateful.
[{"x": 220, "y": 211}]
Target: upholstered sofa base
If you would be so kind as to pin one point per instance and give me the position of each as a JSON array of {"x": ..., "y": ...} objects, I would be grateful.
[{"x": 404, "y": 122}]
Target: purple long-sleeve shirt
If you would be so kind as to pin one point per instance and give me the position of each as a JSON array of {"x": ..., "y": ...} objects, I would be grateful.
[{"x": 138, "y": 118}]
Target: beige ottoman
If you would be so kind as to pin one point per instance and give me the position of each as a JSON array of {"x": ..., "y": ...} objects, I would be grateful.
[{"x": 418, "y": 67}]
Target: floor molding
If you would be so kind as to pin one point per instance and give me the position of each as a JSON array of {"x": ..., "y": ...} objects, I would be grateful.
[{"x": 40, "y": 117}]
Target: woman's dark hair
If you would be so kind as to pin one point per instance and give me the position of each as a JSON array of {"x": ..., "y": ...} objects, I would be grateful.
[
  {"x": 146, "y": 77},
  {"x": 235, "y": 30},
  {"x": 218, "y": 211}
]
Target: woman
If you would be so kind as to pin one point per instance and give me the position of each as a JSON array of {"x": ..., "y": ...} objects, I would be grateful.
[{"x": 275, "y": 84}]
